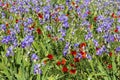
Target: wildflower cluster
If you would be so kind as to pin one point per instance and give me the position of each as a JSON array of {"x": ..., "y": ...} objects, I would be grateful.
[{"x": 59, "y": 39}]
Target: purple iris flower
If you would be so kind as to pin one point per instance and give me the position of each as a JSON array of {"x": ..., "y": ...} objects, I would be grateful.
[
  {"x": 86, "y": 2},
  {"x": 1, "y": 3},
  {"x": 118, "y": 12},
  {"x": 3, "y": 27},
  {"x": 48, "y": 28},
  {"x": 89, "y": 57},
  {"x": 108, "y": 37},
  {"x": 63, "y": 18},
  {"x": 118, "y": 27},
  {"x": 6, "y": 39},
  {"x": 37, "y": 69},
  {"x": 34, "y": 57},
  {"x": 101, "y": 50},
  {"x": 88, "y": 36},
  {"x": 68, "y": 2},
  {"x": 61, "y": 39},
  {"x": 79, "y": 55},
  {"x": 118, "y": 49},
  {"x": 70, "y": 7},
  {"x": 65, "y": 24},
  {"x": 21, "y": 9},
  {"x": 35, "y": 2},
  {"x": 65, "y": 51},
  {"x": 111, "y": 38},
  {"x": 118, "y": 21},
  {"x": 76, "y": 45},
  {"x": 16, "y": 27},
  {"x": 3, "y": 14},
  {"x": 27, "y": 41},
  {"x": 63, "y": 32},
  {"x": 46, "y": 16},
  {"x": 67, "y": 45},
  {"x": 100, "y": 17},
  {"x": 53, "y": 16},
  {"x": 85, "y": 23},
  {"x": 37, "y": 9},
  {"x": 15, "y": 43},
  {"x": 25, "y": 24},
  {"x": 84, "y": 15},
  {"x": 9, "y": 51},
  {"x": 27, "y": 10},
  {"x": 46, "y": 9},
  {"x": 29, "y": 20},
  {"x": 99, "y": 29},
  {"x": 96, "y": 43},
  {"x": 13, "y": 9}
]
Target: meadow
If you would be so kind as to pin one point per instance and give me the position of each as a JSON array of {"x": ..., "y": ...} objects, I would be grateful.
[{"x": 59, "y": 40}]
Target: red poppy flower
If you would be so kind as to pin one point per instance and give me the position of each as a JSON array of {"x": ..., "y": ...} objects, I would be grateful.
[
  {"x": 82, "y": 45},
  {"x": 116, "y": 30},
  {"x": 95, "y": 18},
  {"x": 73, "y": 52},
  {"x": 112, "y": 14},
  {"x": 58, "y": 63},
  {"x": 49, "y": 35},
  {"x": 109, "y": 66},
  {"x": 72, "y": 65},
  {"x": 63, "y": 62},
  {"x": 17, "y": 20},
  {"x": 40, "y": 15},
  {"x": 45, "y": 61},
  {"x": 76, "y": 6},
  {"x": 115, "y": 17},
  {"x": 39, "y": 31},
  {"x": 56, "y": 19},
  {"x": 72, "y": 71},
  {"x": 7, "y": 25},
  {"x": 110, "y": 54},
  {"x": 67, "y": 14},
  {"x": 73, "y": 3},
  {"x": 8, "y": 31},
  {"x": 31, "y": 28},
  {"x": 50, "y": 56},
  {"x": 65, "y": 69},
  {"x": 84, "y": 56},
  {"x": 55, "y": 38},
  {"x": 76, "y": 59},
  {"x": 89, "y": 12}
]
